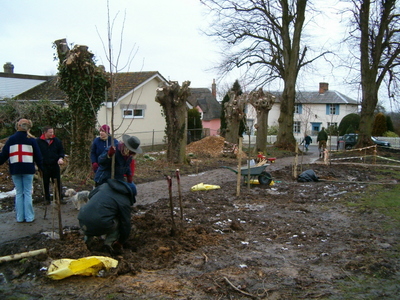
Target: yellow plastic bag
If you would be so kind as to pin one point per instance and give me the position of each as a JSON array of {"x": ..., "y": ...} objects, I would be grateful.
[
  {"x": 86, "y": 266},
  {"x": 203, "y": 187}
]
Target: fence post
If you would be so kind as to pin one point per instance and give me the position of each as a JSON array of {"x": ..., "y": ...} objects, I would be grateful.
[{"x": 152, "y": 142}]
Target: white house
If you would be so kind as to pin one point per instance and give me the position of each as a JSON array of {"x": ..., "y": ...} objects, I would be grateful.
[{"x": 313, "y": 110}]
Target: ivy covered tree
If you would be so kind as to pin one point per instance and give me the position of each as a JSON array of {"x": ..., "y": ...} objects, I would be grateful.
[
  {"x": 222, "y": 130},
  {"x": 172, "y": 99},
  {"x": 380, "y": 126},
  {"x": 85, "y": 85},
  {"x": 234, "y": 114},
  {"x": 195, "y": 126}
]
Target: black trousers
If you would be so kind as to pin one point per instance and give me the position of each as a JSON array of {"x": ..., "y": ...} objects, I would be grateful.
[{"x": 51, "y": 172}]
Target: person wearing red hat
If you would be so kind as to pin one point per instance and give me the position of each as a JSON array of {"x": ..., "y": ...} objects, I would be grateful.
[{"x": 100, "y": 143}]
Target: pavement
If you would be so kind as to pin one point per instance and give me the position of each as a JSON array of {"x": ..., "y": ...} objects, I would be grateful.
[{"x": 147, "y": 193}]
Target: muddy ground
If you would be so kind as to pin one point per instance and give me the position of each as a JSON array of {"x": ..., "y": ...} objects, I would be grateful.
[{"x": 289, "y": 240}]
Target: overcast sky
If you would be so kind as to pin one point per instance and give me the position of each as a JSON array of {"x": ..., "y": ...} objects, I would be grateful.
[{"x": 164, "y": 34}]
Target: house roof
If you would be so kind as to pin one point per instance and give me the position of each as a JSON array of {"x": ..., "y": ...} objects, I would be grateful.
[
  {"x": 209, "y": 105},
  {"x": 328, "y": 97},
  {"x": 47, "y": 90},
  {"x": 12, "y": 84},
  {"x": 125, "y": 83}
]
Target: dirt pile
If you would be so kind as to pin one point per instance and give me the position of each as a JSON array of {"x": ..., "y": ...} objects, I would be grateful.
[{"x": 211, "y": 146}]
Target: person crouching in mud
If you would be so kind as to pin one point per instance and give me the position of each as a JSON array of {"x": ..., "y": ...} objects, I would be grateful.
[{"x": 108, "y": 212}]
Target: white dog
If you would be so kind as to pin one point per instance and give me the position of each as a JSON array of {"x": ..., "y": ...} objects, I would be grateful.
[{"x": 78, "y": 198}]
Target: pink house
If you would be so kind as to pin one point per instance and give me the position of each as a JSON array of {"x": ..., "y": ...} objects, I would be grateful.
[{"x": 206, "y": 102}]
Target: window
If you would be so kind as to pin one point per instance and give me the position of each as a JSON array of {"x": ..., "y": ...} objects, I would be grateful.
[
  {"x": 296, "y": 127},
  {"x": 298, "y": 108},
  {"x": 333, "y": 125},
  {"x": 133, "y": 111},
  {"x": 332, "y": 109}
]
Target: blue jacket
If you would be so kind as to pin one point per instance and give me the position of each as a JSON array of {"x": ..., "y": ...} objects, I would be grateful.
[
  {"x": 109, "y": 201},
  {"x": 98, "y": 147},
  {"x": 23, "y": 152},
  {"x": 122, "y": 167}
]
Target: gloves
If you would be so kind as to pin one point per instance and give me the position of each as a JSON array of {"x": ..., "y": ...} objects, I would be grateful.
[
  {"x": 111, "y": 151},
  {"x": 129, "y": 178},
  {"x": 95, "y": 166}
]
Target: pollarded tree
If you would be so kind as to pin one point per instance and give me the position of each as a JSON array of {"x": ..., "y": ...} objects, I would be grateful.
[
  {"x": 172, "y": 99},
  {"x": 234, "y": 113},
  {"x": 85, "y": 84},
  {"x": 262, "y": 102},
  {"x": 264, "y": 36},
  {"x": 377, "y": 32}
]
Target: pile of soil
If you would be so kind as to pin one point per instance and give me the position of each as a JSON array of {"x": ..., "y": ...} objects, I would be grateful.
[
  {"x": 211, "y": 146},
  {"x": 289, "y": 240}
]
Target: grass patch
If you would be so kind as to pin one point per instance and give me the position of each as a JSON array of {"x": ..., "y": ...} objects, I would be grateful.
[{"x": 382, "y": 198}]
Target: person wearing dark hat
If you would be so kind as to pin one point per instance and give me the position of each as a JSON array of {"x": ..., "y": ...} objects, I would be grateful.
[
  {"x": 108, "y": 212},
  {"x": 100, "y": 143},
  {"x": 124, "y": 152}
]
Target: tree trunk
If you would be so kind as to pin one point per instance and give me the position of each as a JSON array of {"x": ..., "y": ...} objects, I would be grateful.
[
  {"x": 285, "y": 138},
  {"x": 234, "y": 113},
  {"x": 370, "y": 99},
  {"x": 173, "y": 100},
  {"x": 263, "y": 104}
]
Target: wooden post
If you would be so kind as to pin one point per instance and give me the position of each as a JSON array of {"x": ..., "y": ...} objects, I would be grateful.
[
  {"x": 22, "y": 255},
  {"x": 57, "y": 199},
  {"x": 178, "y": 178},
  {"x": 296, "y": 159},
  {"x": 239, "y": 174}
]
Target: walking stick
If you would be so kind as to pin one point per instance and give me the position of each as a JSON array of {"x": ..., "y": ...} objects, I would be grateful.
[
  {"x": 44, "y": 196},
  {"x": 178, "y": 178},
  {"x": 173, "y": 229}
]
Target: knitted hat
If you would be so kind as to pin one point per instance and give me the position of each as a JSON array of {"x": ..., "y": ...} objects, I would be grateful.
[{"x": 105, "y": 128}]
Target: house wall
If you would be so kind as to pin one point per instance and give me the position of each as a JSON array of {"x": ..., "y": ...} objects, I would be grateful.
[
  {"x": 150, "y": 128},
  {"x": 213, "y": 125}
]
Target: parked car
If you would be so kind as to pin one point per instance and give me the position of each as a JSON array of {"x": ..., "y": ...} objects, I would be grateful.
[{"x": 349, "y": 140}]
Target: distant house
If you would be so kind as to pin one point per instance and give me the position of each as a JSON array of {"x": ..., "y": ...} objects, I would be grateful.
[
  {"x": 135, "y": 109},
  {"x": 205, "y": 101},
  {"x": 313, "y": 110}
]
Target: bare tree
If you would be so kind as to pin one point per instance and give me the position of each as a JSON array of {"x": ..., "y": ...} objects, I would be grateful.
[
  {"x": 264, "y": 36},
  {"x": 262, "y": 102},
  {"x": 377, "y": 31},
  {"x": 172, "y": 99}
]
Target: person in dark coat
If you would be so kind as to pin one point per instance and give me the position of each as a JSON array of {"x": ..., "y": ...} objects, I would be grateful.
[
  {"x": 322, "y": 138},
  {"x": 124, "y": 153},
  {"x": 22, "y": 152},
  {"x": 100, "y": 143},
  {"x": 53, "y": 156},
  {"x": 108, "y": 212},
  {"x": 307, "y": 141}
]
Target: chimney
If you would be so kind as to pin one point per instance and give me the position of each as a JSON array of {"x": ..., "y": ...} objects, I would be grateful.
[
  {"x": 323, "y": 87},
  {"x": 8, "y": 68},
  {"x": 214, "y": 89}
]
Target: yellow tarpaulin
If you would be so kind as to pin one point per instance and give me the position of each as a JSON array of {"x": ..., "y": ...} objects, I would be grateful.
[
  {"x": 203, "y": 187},
  {"x": 86, "y": 266}
]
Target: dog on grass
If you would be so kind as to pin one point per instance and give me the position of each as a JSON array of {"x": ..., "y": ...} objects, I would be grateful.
[{"x": 78, "y": 199}]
